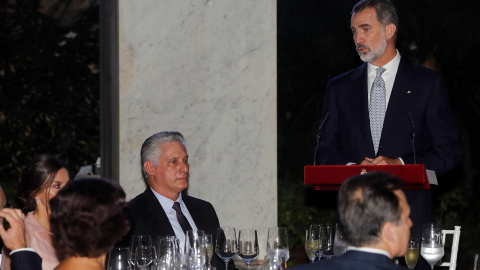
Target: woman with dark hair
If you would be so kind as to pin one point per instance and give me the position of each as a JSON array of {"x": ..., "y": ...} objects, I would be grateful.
[
  {"x": 88, "y": 217},
  {"x": 40, "y": 181}
]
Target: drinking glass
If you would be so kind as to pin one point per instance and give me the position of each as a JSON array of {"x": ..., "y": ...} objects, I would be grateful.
[
  {"x": 247, "y": 246},
  {"x": 226, "y": 246},
  {"x": 277, "y": 246},
  {"x": 209, "y": 249},
  {"x": 168, "y": 252},
  {"x": 432, "y": 246},
  {"x": 339, "y": 244},
  {"x": 118, "y": 259},
  {"x": 195, "y": 248},
  {"x": 143, "y": 257},
  {"x": 315, "y": 239},
  {"x": 311, "y": 256},
  {"x": 139, "y": 241},
  {"x": 411, "y": 257},
  {"x": 326, "y": 237}
]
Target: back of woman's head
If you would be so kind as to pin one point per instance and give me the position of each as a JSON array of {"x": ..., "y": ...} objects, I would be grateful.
[
  {"x": 88, "y": 217},
  {"x": 38, "y": 175}
]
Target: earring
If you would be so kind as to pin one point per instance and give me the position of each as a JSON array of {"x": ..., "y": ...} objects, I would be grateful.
[{"x": 37, "y": 200}]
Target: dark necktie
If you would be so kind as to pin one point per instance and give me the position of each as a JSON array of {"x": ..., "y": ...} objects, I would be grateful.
[{"x": 181, "y": 218}]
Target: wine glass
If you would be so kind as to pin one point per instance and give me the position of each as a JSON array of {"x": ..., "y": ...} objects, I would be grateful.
[
  {"x": 195, "y": 248},
  {"x": 247, "y": 246},
  {"x": 411, "y": 257},
  {"x": 118, "y": 259},
  {"x": 327, "y": 242},
  {"x": 277, "y": 246},
  {"x": 166, "y": 252},
  {"x": 339, "y": 244},
  {"x": 209, "y": 249},
  {"x": 311, "y": 256},
  {"x": 139, "y": 241},
  {"x": 143, "y": 257},
  {"x": 315, "y": 239},
  {"x": 226, "y": 246},
  {"x": 432, "y": 245}
]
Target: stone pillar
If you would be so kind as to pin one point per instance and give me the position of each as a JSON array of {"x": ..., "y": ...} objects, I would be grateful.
[{"x": 206, "y": 69}]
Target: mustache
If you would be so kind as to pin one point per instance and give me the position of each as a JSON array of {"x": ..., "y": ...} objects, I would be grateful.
[{"x": 361, "y": 46}]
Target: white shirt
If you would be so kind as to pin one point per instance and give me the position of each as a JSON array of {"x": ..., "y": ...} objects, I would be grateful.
[
  {"x": 370, "y": 250},
  {"x": 388, "y": 76},
  {"x": 172, "y": 215}
]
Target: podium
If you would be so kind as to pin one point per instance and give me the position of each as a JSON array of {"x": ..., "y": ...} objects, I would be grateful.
[{"x": 330, "y": 177}]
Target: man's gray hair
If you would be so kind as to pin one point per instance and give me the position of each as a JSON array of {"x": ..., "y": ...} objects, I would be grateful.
[{"x": 152, "y": 150}]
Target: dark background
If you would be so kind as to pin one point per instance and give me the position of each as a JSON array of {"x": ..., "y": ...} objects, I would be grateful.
[
  {"x": 315, "y": 44},
  {"x": 49, "y": 93}
]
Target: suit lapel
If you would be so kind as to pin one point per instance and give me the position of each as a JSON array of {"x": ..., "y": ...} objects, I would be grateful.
[
  {"x": 399, "y": 104},
  {"x": 359, "y": 104},
  {"x": 194, "y": 212},
  {"x": 161, "y": 219}
]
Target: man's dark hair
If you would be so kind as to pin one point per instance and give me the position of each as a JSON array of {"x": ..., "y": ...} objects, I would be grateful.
[
  {"x": 366, "y": 203},
  {"x": 88, "y": 217},
  {"x": 386, "y": 12}
]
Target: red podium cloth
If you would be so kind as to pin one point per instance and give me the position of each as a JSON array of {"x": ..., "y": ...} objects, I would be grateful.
[{"x": 330, "y": 177}]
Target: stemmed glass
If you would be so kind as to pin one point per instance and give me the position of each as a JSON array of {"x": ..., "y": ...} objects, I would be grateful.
[
  {"x": 195, "y": 248},
  {"x": 209, "y": 249},
  {"x": 247, "y": 246},
  {"x": 315, "y": 239},
  {"x": 339, "y": 245},
  {"x": 277, "y": 246},
  {"x": 327, "y": 242},
  {"x": 226, "y": 246},
  {"x": 143, "y": 257},
  {"x": 311, "y": 256},
  {"x": 168, "y": 252},
  {"x": 411, "y": 257},
  {"x": 139, "y": 241},
  {"x": 432, "y": 245},
  {"x": 118, "y": 259}
]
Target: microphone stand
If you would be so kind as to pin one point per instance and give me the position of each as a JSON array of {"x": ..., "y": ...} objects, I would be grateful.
[
  {"x": 319, "y": 133},
  {"x": 414, "y": 130}
]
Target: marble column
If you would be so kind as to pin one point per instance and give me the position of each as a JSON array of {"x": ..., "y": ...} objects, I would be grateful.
[{"x": 207, "y": 69}]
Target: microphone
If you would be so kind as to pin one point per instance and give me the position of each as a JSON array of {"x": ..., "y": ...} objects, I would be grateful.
[
  {"x": 414, "y": 130},
  {"x": 319, "y": 133}
]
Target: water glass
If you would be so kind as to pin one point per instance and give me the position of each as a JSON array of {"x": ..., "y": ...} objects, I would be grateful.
[
  {"x": 432, "y": 245},
  {"x": 339, "y": 244},
  {"x": 277, "y": 246},
  {"x": 118, "y": 259}
]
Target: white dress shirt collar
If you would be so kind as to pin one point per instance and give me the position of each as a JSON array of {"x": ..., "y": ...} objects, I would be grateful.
[
  {"x": 388, "y": 76},
  {"x": 370, "y": 250}
]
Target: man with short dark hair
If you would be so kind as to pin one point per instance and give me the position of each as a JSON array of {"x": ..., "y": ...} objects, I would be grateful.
[
  {"x": 162, "y": 210},
  {"x": 388, "y": 111},
  {"x": 374, "y": 215}
]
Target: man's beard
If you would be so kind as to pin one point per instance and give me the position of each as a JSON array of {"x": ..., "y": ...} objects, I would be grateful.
[{"x": 373, "y": 54}]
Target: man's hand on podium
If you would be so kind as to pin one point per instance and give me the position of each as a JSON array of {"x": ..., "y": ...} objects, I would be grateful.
[{"x": 381, "y": 160}]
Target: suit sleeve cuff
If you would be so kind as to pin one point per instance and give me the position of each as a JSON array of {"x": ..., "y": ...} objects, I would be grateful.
[{"x": 22, "y": 249}]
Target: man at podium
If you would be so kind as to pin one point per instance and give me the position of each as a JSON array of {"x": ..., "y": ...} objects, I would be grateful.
[{"x": 388, "y": 111}]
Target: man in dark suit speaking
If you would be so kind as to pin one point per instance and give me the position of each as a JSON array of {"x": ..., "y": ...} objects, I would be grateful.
[
  {"x": 374, "y": 215},
  {"x": 388, "y": 111},
  {"x": 162, "y": 209}
]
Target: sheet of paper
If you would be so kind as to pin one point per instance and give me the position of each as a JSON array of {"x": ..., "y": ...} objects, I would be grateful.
[{"x": 432, "y": 177}]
